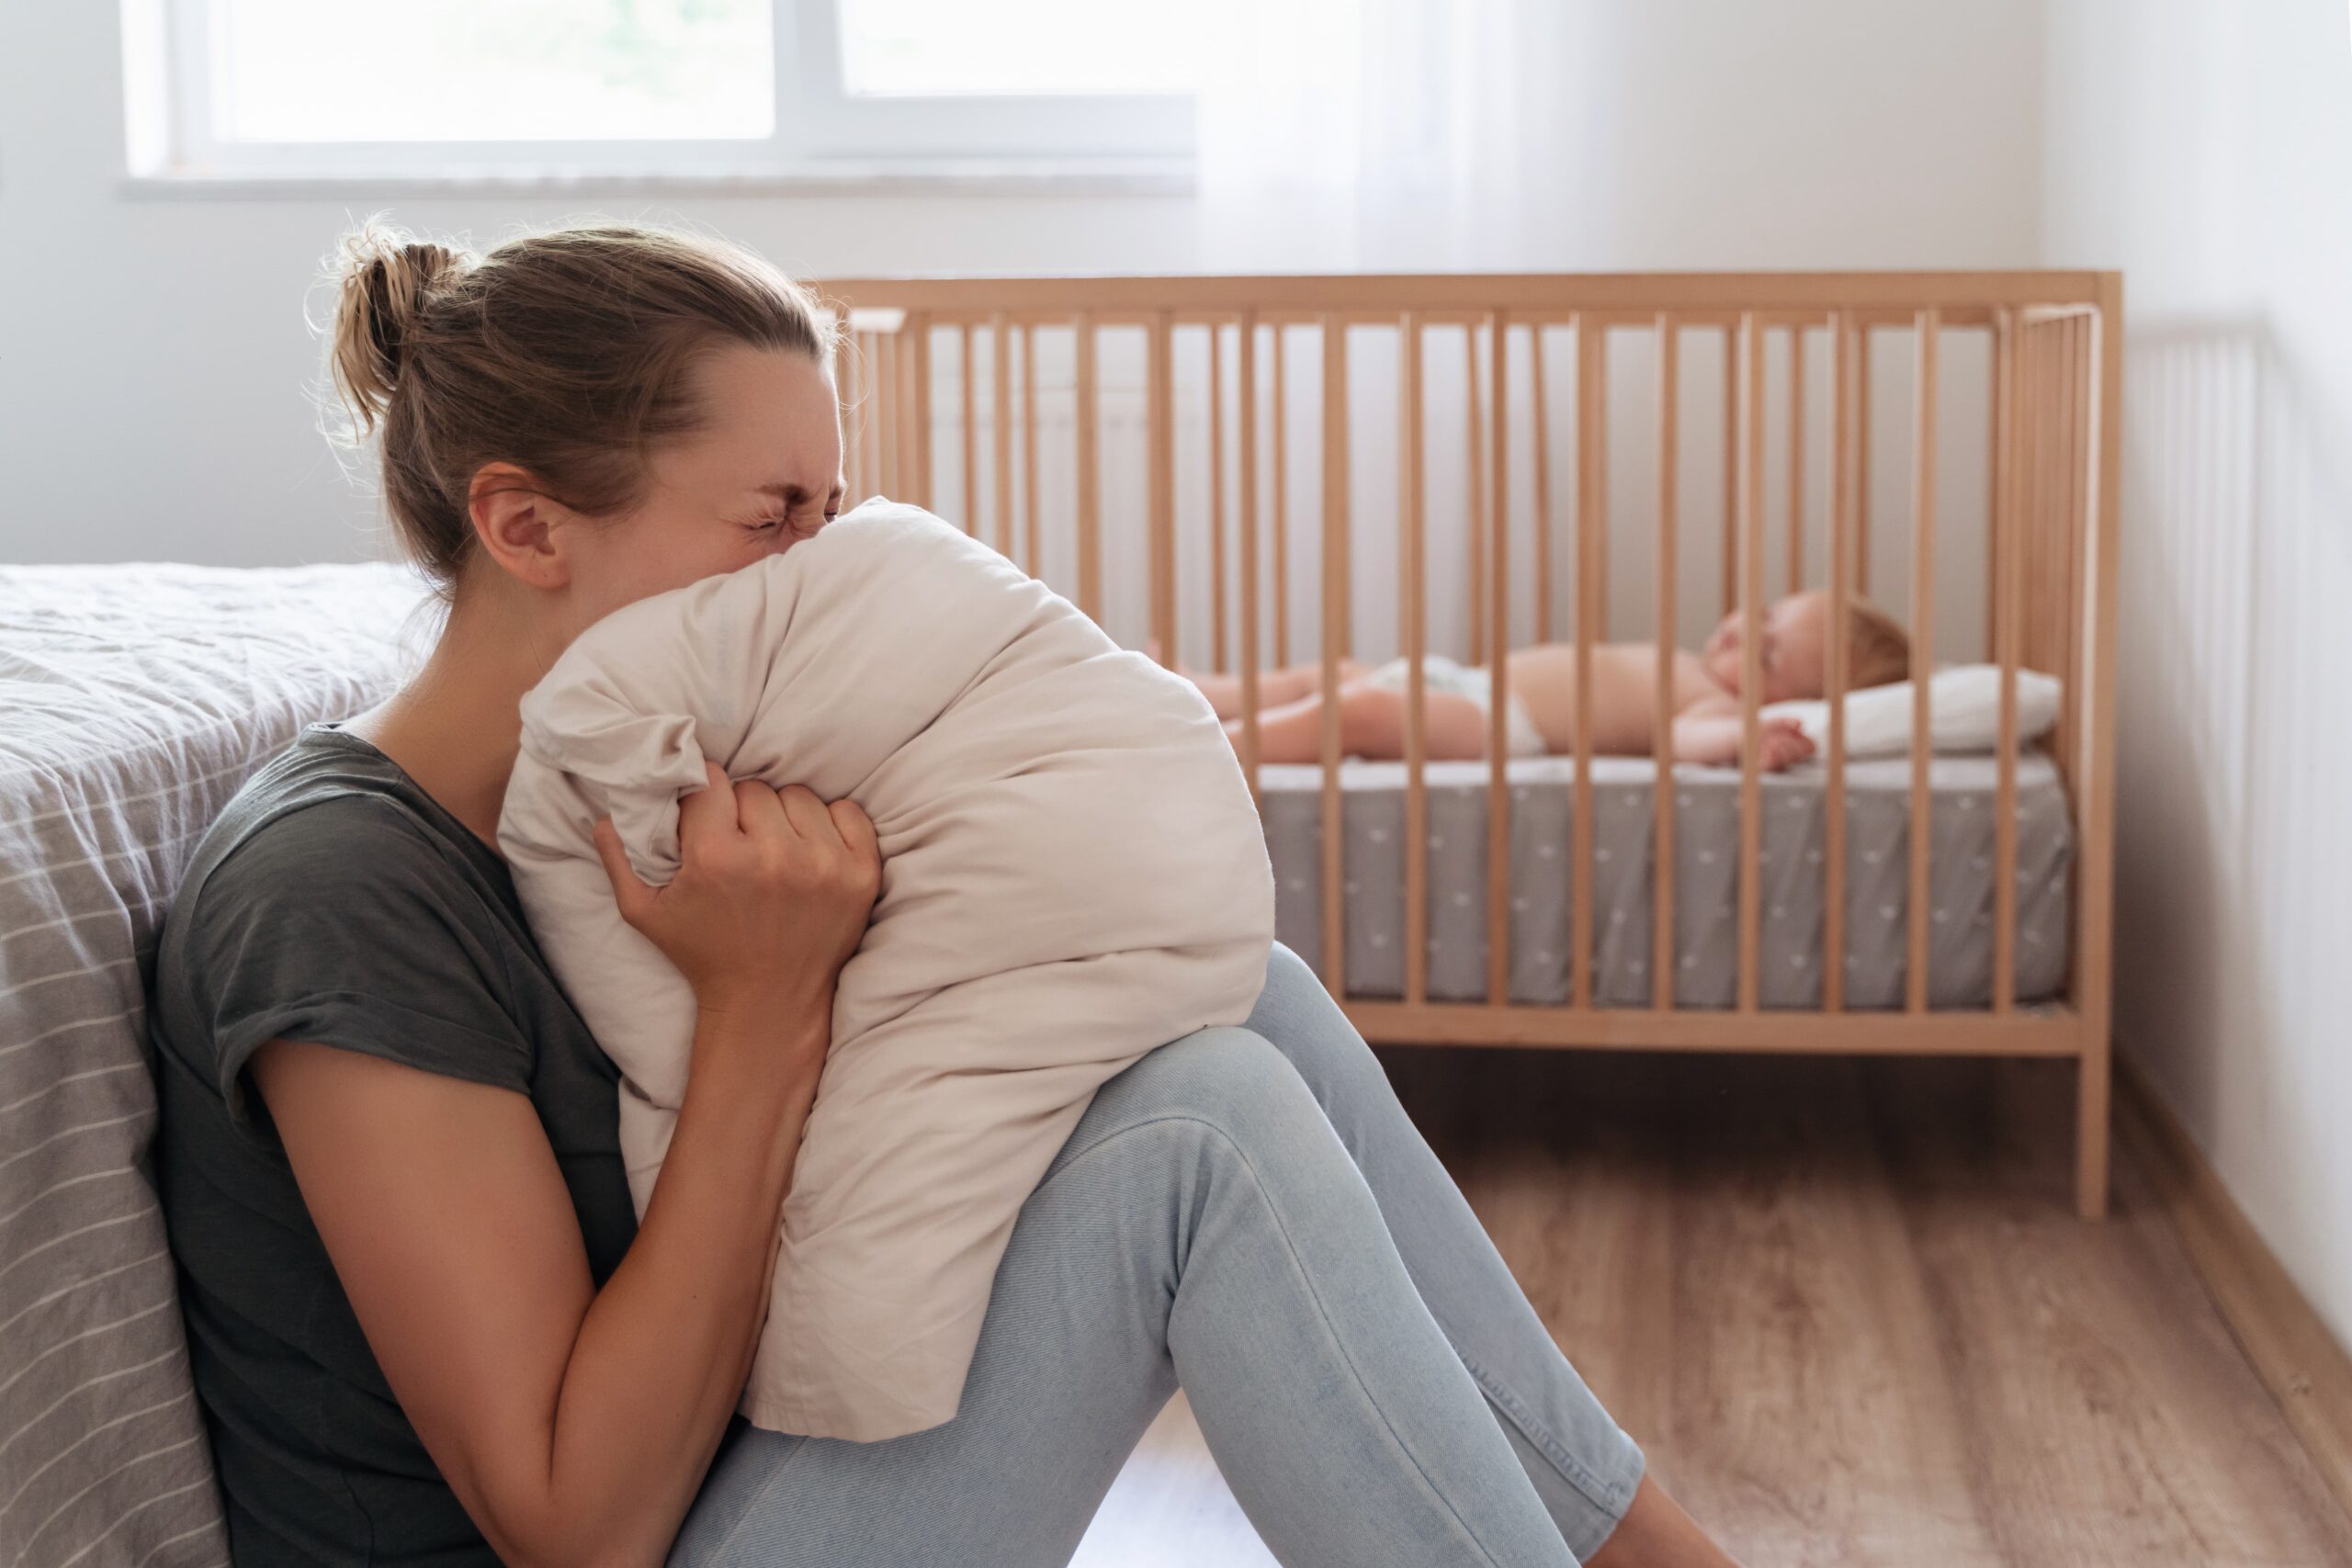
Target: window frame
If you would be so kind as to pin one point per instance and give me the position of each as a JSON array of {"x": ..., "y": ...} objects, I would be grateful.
[{"x": 820, "y": 131}]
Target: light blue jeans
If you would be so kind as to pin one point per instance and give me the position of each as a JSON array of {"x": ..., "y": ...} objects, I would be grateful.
[{"x": 1246, "y": 1214}]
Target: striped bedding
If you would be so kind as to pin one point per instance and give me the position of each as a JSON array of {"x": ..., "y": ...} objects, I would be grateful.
[{"x": 134, "y": 701}]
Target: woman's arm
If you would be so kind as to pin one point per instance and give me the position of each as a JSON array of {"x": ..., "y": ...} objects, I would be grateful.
[{"x": 575, "y": 1425}]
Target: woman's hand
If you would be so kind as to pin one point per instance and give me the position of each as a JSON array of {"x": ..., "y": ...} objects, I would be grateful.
[{"x": 772, "y": 895}]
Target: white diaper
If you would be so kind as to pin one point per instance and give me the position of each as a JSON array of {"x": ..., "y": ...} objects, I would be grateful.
[{"x": 1439, "y": 673}]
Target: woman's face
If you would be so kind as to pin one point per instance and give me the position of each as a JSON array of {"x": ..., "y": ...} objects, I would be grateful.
[
  {"x": 762, "y": 475},
  {"x": 1793, "y": 652}
]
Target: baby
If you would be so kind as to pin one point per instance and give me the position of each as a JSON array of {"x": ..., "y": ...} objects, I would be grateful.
[{"x": 1543, "y": 715}]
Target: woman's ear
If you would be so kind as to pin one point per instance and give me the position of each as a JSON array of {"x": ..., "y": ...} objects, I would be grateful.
[{"x": 519, "y": 526}]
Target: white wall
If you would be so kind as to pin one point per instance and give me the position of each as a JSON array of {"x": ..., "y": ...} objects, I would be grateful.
[
  {"x": 2205, "y": 146},
  {"x": 155, "y": 361}
]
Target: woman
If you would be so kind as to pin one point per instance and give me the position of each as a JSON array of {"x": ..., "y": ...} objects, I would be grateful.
[{"x": 423, "y": 1320}]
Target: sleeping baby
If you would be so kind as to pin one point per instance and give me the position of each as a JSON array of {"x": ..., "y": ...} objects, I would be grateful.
[
  {"x": 1073, "y": 873},
  {"x": 1540, "y": 715}
]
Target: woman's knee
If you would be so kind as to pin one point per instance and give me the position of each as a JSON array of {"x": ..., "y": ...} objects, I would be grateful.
[
  {"x": 1290, "y": 976},
  {"x": 1296, "y": 1014},
  {"x": 1231, "y": 1081}
]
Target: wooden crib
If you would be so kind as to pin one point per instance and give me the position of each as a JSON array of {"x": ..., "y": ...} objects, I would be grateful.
[{"x": 1008, "y": 404}]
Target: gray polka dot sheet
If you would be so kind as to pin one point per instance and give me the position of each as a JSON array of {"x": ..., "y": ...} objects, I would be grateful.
[{"x": 1706, "y": 879}]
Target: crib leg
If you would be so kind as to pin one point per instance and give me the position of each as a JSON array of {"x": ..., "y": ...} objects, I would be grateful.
[{"x": 2091, "y": 1130}]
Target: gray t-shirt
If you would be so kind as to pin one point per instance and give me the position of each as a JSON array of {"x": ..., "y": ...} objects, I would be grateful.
[{"x": 335, "y": 901}]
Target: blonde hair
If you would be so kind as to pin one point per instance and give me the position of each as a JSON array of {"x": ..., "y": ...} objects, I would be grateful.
[
  {"x": 1878, "y": 648},
  {"x": 565, "y": 353}
]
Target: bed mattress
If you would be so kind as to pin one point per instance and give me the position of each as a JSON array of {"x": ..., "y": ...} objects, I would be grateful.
[{"x": 1706, "y": 879}]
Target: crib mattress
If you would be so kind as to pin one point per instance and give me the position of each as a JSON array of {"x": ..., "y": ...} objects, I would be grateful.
[{"x": 1706, "y": 879}]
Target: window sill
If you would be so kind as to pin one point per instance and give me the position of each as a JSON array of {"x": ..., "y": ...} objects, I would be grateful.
[{"x": 1045, "y": 177}]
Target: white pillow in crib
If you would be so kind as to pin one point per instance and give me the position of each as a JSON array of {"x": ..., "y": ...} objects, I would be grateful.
[{"x": 1963, "y": 712}]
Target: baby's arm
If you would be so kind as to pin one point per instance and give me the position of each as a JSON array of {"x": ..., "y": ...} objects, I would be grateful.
[{"x": 1709, "y": 735}]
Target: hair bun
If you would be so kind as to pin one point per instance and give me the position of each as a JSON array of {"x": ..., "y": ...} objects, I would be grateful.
[{"x": 385, "y": 282}]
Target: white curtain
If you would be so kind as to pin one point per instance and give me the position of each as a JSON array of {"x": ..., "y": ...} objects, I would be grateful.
[{"x": 1402, "y": 135}]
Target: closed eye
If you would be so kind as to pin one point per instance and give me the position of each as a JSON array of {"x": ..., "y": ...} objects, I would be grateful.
[{"x": 804, "y": 513}]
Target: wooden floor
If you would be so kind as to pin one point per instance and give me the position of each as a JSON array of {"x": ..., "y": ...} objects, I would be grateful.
[{"x": 1848, "y": 1311}]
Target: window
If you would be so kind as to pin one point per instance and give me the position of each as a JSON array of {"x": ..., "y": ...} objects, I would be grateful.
[{"x": 648, "y": 87}]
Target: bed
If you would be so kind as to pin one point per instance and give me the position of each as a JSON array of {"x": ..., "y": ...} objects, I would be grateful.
[{"x": 134, "y": 701}]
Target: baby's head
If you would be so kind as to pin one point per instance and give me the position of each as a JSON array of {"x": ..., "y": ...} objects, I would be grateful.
[{"x": 1796, "y": 644}]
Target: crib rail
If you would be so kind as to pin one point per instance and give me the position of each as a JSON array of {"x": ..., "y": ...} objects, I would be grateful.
[{"x": 2040, "y": 459}]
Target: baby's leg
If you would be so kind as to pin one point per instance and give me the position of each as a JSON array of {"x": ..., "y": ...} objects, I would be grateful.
[
  {"x": 1372, "y": 725},
  {"x": 1276, "y": 688}
]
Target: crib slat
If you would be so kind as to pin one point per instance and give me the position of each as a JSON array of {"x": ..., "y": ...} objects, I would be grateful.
[
  {"x": 1498, "y": 672},
  {"x": 1031, "y": 556},
  {"x": 968, "y": 385},
  {"x": 1089, "y": 476},
  {"x": 1246, "y": 458},
  {"x": 1862, "y": 460},
  {"x": 918, "y": 327},
  {"x": 874, "y": 411},
  {"x": 1796, "y": 458},
  {"x": 1281, "y": 506},
  {"x": 2051, "y": 519},
  {"x": 847, "y": 374},
  {"x": 1919, "y": 916},
  {"x": 1473, "y": 459},
  {"x": 872, "y": 415},
  {"x": 889, "y": 414},
  {"x": 1844, "y": 348},
  {"x": 1602, "y": 323},
  {"x": 2003, "y": 322},
  {"x": 1334, "y": 589},
  {"x": 2055, "y": 392},
  {"x": 1592, "y": 512},
  {"x": 1216, "y": 497},
  {"x": 911, "y": 421},
  {"x": 845, "y": 405},
  {"x": 2035, "y": 611},
  {"x": 2074, "y": 563},
  {"x": 2075, "y": 432},
  {"x": 1413, "y": 614},
  {"x": 2010, "y": 440},
  {"x": 1000, "y": 428},
  {"x": 1751, "y": 667},
  {"x": 1543, "y": 454},
  {"x": 1731, "y": 465},
  {"x": 1341, "y": 490},
  {"x": 1159, "y": 419},
  {"x": 1669, "y": 400},
  {"x": 890, "y": 411}
]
